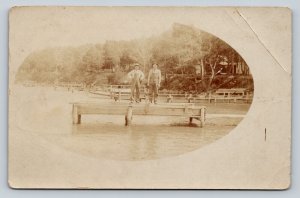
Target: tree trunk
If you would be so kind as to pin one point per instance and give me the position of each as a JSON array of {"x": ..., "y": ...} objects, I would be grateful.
[
  {"x": 213, "y": 73},
  {"x": 202, "y": 75},
  {"x": 210, "y": 80}
]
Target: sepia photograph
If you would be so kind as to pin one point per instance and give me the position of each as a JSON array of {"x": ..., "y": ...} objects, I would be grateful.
[{"x": 118, "y": 97}]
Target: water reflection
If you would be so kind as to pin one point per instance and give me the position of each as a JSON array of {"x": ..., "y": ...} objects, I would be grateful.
[{"x": 141, "y": 142}]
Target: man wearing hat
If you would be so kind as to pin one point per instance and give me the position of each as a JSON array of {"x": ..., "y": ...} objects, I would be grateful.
[
  {"x": 154, "y": 79},
  {"x": 136, "y": 76}
]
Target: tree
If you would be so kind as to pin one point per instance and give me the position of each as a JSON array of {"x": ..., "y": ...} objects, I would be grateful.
[
  {"x": 91, "y": 64},
  {"x": 141, "y": 51},
  {"x": 126, "y": 60},
  {"x": 188, "y": 58},
  {"x": 112, "y": 52},
  {"x": 217, "y": 53}
]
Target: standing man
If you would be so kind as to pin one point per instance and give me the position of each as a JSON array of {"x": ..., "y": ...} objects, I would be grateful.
[
  {"x": 136, "y": 76},
  {"x": 154, "y": 79}
]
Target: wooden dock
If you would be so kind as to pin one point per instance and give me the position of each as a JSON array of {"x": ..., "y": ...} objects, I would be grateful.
[{"x": 188, "y": 110}]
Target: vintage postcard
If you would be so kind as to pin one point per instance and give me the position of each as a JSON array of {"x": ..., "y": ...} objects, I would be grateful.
[{"x": 149, "y": 97}]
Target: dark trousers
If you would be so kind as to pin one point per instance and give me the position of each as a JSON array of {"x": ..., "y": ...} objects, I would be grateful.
[{"x": 153, "y": 92}]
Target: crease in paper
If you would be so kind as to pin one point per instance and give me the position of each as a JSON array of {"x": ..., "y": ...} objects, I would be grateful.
[{"x": 260, "y": 41}]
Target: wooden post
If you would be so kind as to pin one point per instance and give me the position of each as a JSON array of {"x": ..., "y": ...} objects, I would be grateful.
[
  {"x": 128, "y": 116},
  {"x": 228, "y": 97},
  {"x": 79, "y": 119},
  {"x": 202, "y": 116},
  {"x": 191, "y": 120},
  {"x": 75, "y": 114}
]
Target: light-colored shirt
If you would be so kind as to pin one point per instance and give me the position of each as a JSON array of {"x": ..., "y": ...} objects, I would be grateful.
[
  {"x": 136, "y": 75},
  {"x": 154, "y": 76}
]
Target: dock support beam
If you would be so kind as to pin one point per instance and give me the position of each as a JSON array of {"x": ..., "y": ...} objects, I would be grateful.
[
  {"x": 79, "y": 119},
  {"x": 75, "y": 114},
  {"x": 191, "y": 120},
  {"x": 128, "y": 116},
  {"x": 202, "y": 117}
]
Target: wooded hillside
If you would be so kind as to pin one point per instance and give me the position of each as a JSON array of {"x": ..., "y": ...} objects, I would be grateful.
[{"x": 189, "y": 59}]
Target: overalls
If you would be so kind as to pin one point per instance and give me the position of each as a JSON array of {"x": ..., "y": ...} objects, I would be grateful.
[
  {"x": 135, "y": 87},
  {"x": 154, "y": 85}
]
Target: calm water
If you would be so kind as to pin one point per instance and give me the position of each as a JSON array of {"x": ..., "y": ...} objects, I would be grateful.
[
  {"x": 135, "y": 142},
  {"x": 168, "y": 137},
  {"x": 48, "y": 115}
]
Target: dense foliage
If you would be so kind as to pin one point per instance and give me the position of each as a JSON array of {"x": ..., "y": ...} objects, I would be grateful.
[{"x": 189, "y": 59}]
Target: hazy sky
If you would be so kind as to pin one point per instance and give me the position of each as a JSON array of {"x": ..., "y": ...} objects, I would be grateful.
[
  {"x": 35, "y": 28},
  {"x": 75, "y": 26}
]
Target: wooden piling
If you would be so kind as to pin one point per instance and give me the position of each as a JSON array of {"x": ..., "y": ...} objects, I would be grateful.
[
  {"x": 128, "y": 116},
  {"x": 79, "y": 119},
  {"x": 202, "y": 117},
  {"x": 75, "y": 114}
]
